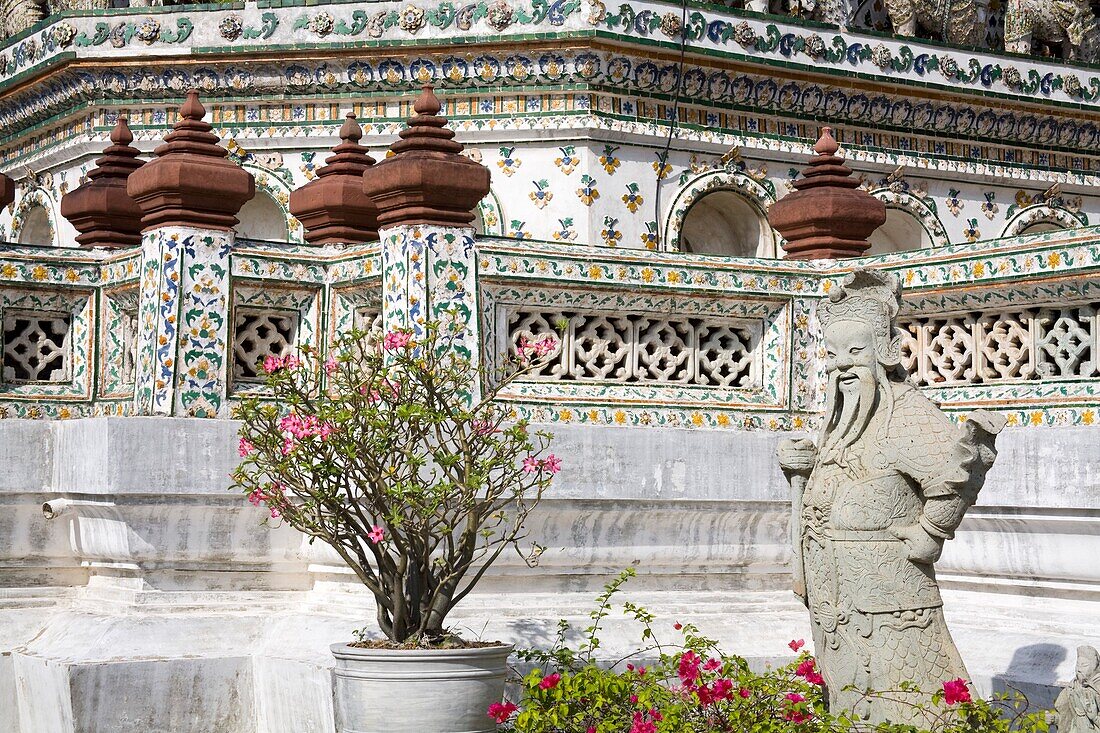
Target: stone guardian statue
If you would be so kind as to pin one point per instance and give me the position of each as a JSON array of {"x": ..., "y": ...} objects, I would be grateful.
[
  {"x": 884, "y": 486},
  {"x": 1068, "y": 23},
  {"x": 954, "y": 21},
  {"x": 1077, "y": 708}
]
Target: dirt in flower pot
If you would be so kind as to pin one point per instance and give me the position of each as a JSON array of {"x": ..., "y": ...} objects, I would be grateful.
[{"x": 449, "y": 641}]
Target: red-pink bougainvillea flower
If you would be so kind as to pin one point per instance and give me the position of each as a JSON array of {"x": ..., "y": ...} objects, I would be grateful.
[
  {"x": 689, "y": 667},
  {"x": 956, "y": 691},
  {"x": 796, "y": 644},
  {"x": 500, "y": 712},
  {"x": 550, "y": 681}
]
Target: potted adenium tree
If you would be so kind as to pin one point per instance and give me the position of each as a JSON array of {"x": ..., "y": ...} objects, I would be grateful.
[{"x": 399, "y": 456}]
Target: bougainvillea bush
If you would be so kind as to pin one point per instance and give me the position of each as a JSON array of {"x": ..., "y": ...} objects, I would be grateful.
[
  {"x": 395, "y": 452},
  {"x": 693, "y": 687}
]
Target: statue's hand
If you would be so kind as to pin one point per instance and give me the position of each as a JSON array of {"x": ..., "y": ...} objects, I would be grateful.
[
  {"x": 923, "y": 547},
  {"x": 797, "y": 456}
]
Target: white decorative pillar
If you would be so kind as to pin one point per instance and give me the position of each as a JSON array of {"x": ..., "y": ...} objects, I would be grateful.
[
  {"x": 425, "y": 195},
  {"x": 189, "y": 195}
]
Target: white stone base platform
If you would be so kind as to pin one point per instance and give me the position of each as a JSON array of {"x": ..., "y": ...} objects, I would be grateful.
[{"x": 153, "y": 600}]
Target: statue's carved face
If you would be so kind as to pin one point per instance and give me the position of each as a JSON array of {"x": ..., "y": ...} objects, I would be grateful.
[
  {"x": 853, "y": 379},
  {"x": 849, "y": 349}
]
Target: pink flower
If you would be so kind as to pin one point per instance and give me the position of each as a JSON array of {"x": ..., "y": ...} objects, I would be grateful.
[
  {"x": 245, "y": 447},
  {"x": 591, "y": 729},
  {"x": 641, "y": 725},
  {"x": 796, "y": 644},
  {"x": 689, "y": 667},
  {"x": 815, "y": 679},
  {"x": 633, "y": 699},
  {"x": 291, "y": 362},
  {"x": 376, "y": 534},
  {"x": 500, "y": 712},
  {"x": 805, "y": 668},
  {"x": 744, "y": 692},
  {"x": 798, "y": 716},
  {"x": 330, "y": 365},
  {"x": 256, "y": 497},
  {"x": 723, "y": 689},
  {"x": 530, "y": 464},
  {"x": 483, "y": 427},
  {"x": 677, "y": 626},
  {"x": 552, "y": 464},
  {"x": 272, "y": 364},
  {"x": 288, "y": 446},
  {"x": 955, "y": 691},
  {"x": 711, "y": 665},
  {"x": 545, "y": 346},
  {"x": 275, "y": 513},
  {"x": 550, "y": 681},
  {"x": 795, "y": 697},
  {"x": 396, "y": 340}
]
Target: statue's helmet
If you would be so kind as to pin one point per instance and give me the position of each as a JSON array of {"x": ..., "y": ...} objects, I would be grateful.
[{"x": 872, "y": 297}]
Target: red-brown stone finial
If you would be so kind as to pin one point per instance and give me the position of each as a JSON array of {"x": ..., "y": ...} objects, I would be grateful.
[
  {"x": 428, "y": 180},
  {"x": 101, "y": 210},
  {"x": 7, "y": 191},
  {"x": 333, "y": 208},
  {"x": 827, "y": 216},
  {"x": 191, "y": 182}
]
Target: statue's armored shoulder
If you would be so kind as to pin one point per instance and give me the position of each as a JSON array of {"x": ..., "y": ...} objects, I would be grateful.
[{"x": 926, "y": 444}]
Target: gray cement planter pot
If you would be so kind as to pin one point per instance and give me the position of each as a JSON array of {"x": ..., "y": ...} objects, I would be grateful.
[{"x": 418, "y": 690}]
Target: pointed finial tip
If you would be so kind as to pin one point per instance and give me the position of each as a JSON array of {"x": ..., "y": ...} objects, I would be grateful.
[
  {"x": 350, "y": 130},
  {"x": 192, "y": 109},
  {"x": 427, "y": 103},
  {"x": 826, "y": 144},
  {"x": 121, "y": 134}
]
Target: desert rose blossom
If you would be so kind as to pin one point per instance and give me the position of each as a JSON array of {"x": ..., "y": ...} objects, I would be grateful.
[
  {"x": 956, "y": 691},
  {"x": 551, "y": 464},
  {"x": 245, "y": 447},
  {"x": 376, "y": 534},
  {"x": 530, "y": 464},
  {"x": 396, "y": 340}
]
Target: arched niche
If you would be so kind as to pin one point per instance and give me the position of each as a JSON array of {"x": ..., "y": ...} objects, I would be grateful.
[
  {"x": 911, "y": 223},
  {"x": 722, "y": 213},
  {"x": 1042, "y": 218},
  {"x": 258, "y": 220},
  {"x": 263, "y": 219},
  {"x": 32, "y": 221},
  {"x": 901, "y": 233}
]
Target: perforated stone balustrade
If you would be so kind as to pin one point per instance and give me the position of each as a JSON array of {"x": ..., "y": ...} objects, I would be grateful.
[{"x": 679, "y": 340}]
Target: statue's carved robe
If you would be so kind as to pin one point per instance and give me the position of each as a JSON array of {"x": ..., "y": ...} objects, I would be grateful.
[
  {"x": 1078, "y": 707},
  {"x": 877, "y": 615}
]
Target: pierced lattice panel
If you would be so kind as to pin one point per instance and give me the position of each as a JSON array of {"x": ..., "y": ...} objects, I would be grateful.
[{"x": 37, "y": 346}]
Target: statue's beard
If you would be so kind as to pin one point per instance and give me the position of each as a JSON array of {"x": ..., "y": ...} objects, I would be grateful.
[{"x": 853, "y": 396}]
